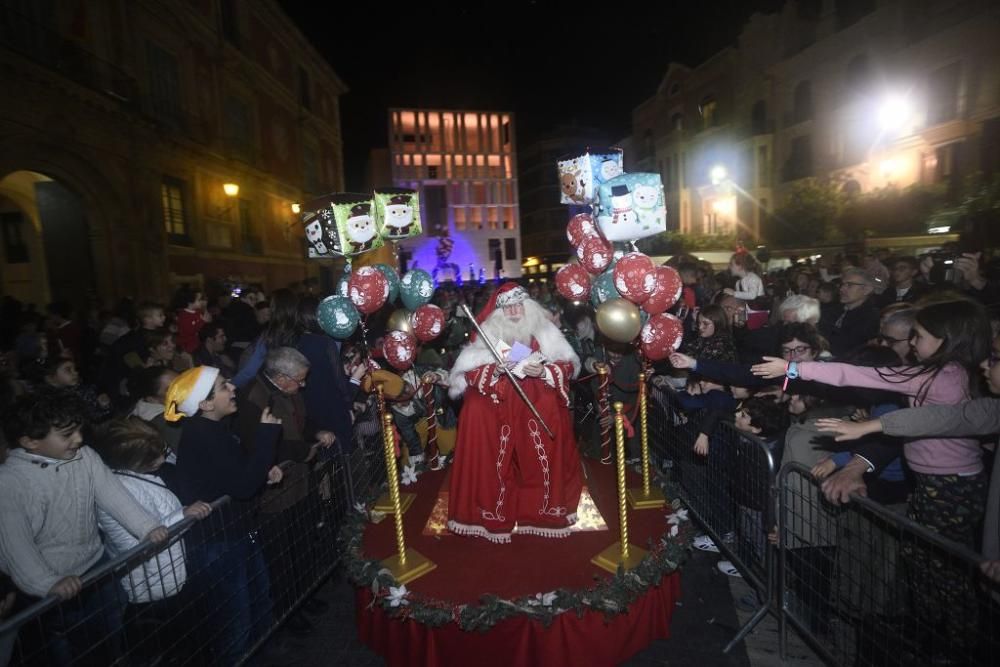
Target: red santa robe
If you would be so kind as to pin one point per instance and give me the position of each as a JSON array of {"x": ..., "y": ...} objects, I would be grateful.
[{"x": 507, "y": 469}]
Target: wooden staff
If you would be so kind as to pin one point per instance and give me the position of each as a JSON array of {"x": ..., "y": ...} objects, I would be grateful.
[{"x": 502, "y": 365}]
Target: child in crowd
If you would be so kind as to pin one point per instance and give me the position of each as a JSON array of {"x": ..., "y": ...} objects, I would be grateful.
[
  {"x": 749, "y": 286},
  {"x": 61, "y": 373},
  {"x": 51, "y": 488},
  {"x": 130, "y": 352},
  {"x": 161, "y": 350},
  {"x": 763, "y": 417},
  {"x": 150, "y": 386},
  {"x": 134, "y": 451},
  {"x": 715, "y": 340},
  {"x": 191, "y": 317},
  {"x": 213, "y": 462}
]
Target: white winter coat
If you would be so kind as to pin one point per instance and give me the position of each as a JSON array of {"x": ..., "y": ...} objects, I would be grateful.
[{"x": 160, "y": 576}]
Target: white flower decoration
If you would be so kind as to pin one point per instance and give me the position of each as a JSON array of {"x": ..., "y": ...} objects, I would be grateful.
[
  {"x": 397, "y": 596},
  {"x": 361, "y": 508},
  {"x": 678, "y": 516},
  {"x": 408, "y": 475},
  {"x": 545, "y": 599}
]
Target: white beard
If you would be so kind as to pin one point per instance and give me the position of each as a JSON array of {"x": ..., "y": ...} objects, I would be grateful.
[
  {"x": 533, "y": 326},
  {"x": 499, "y": 327}
]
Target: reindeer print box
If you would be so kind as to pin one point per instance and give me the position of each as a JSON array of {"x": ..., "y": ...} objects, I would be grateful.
[
  {"x": 631, "y": 207},
  {"x": 581, "y": 176}
]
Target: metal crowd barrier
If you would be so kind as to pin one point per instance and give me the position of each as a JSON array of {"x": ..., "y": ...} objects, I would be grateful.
[
  {"x": 730, "y": 492},
  {"x": 865, "y": 585},
  {"x": 211, "y": 595}
]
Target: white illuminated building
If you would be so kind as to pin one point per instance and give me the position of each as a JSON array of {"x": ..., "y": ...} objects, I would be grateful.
[{"x": 464, "y": 165}]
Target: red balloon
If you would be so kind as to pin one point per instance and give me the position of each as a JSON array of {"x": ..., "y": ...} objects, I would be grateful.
[
  {"x": 660, "y": 336},
  {"x": 573, "y": 282},
  {"x": 428, "y": 322},
  {"x": 580, "y": 227},
  {"x": 368, "y": 289},
  {"x": 635, "y": 277},
  {"x": 399, "y": 349},
  {"x": 666, "y": 291},
  {"x": 595, "y": 254}
]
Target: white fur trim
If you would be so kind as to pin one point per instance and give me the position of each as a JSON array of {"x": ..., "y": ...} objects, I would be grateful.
[
  {"x": 202, "y": 388},
  {"x": 478, "y": 531},
  {"x": 551, "y": 343},
  {"x": 543, "y": 532}
]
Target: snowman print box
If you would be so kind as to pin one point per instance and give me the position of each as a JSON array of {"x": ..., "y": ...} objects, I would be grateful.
[
  {"x": 322, "y": 237},
  {"x": 397, "y": 213},
  {"x": 631, "y": 207},
  {"x": 357, "y": 228}
]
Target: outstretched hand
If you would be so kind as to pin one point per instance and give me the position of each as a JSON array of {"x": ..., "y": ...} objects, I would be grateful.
[
  {"x": 770, "y": 368},
  {"x": 678, "y": 360},
  {"x": 848, "y": 430}
]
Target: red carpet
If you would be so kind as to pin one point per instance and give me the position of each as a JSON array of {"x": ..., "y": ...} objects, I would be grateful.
[{"x": 469, "y": 567}]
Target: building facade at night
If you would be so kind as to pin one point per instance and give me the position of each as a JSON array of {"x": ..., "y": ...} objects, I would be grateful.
[
  {"x": 128, "y": 120},
  {"x": 869, "y": 94},
  {"x": 464, "y": 165}
]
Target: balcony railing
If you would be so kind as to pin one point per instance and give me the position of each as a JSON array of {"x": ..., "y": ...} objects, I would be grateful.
[{"x": 23, "y": 35}]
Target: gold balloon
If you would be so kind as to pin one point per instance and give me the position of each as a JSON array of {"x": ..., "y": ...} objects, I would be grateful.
[
  {"x": 619, "y": 320},
  {"x": 400, "y": 321}
]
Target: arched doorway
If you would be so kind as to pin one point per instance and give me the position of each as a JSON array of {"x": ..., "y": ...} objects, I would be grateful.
[{"x": 45, "y": 248}]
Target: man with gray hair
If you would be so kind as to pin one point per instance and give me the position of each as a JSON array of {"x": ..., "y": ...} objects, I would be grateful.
[
  {"x": 278, "y": 385},
  {"x": 856, "y": 320}
]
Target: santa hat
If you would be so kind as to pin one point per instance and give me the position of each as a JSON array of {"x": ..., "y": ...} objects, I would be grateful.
[
  {"x": 399, "y": 200},
  {"x": 363, "y": 208},
  {"x": 188, "y": 390},
  {"x": 508, "y": 295}
]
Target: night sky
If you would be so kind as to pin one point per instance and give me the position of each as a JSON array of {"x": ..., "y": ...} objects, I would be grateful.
[{"x": 548, "y": 62}]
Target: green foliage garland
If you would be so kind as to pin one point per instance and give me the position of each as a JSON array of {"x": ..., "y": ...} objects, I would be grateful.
[{"x": 609, "y": 595}]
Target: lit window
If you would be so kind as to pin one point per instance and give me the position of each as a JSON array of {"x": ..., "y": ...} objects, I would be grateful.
[{"x": 174, "y": 214}]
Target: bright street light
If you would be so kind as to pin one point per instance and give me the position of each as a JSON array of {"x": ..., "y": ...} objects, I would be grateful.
[
  {"x": 717, "y": 174},
  {"x": 231, "y": 189},
  {"x": 895, "y": 113}
]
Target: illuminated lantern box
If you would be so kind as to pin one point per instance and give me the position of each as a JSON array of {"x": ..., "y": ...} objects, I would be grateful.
[
  {"x": 631, "y": 207},
  {"x": 323, "y": 240},
  {"x": 357, "y": 228},
  {"x": 581, "y": 176},
  {"x": 397, "y": 213}
]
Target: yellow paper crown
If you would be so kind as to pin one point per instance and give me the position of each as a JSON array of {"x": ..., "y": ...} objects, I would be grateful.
[{"x": 188, "y": 390}]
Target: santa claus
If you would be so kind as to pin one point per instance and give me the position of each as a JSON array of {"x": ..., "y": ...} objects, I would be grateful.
[{"x": 507, "y": 469}]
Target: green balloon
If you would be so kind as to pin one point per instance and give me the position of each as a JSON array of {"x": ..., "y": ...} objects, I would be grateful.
[
  {"x": 338, "y": 316},
  {"x": 416, "y": 289},
  {"x": 393, "y": 278},
  {"x": 603, "y": 289}
]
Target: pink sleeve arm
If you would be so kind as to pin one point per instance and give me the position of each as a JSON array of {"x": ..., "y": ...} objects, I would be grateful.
[{"x": 847, "y": 375}]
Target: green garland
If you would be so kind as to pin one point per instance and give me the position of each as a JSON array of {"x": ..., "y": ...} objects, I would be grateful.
[{"x": 611, "y": 596}]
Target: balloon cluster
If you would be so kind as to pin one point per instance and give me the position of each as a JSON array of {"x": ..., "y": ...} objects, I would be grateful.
[
  {"x": 369, "y": 288},
  {"x": 629, "y": 292}
]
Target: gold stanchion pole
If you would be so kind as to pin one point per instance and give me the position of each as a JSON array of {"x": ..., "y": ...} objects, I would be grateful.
[
  {"x": 384, "y": 504},
  {"x": 407, "y": 564},
  {"x": 645, "y": 498},
  {"x": 621, "y": 553}
]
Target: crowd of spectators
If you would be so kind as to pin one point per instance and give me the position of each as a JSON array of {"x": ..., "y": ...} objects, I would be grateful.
[{"x": 121, "y": 423}]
